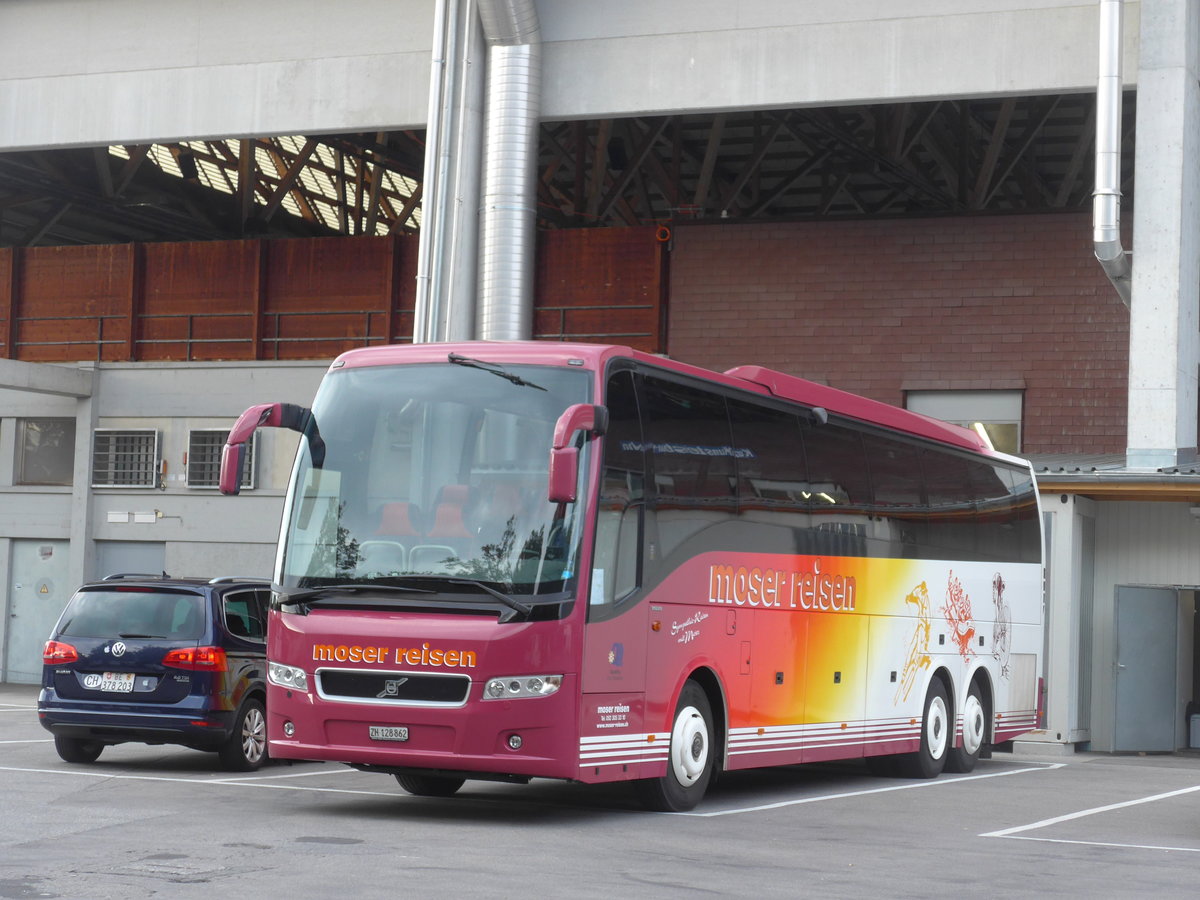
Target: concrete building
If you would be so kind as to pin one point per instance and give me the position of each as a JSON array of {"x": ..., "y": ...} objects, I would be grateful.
[{"x": 991, "y": 301}]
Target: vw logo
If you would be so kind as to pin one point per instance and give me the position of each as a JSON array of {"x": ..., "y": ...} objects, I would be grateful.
[
  {"x": 118, "y": 648},
  {"x": 391, "y": 688}
]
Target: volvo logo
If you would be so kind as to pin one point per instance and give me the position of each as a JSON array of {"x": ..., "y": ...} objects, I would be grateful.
[
  {"x": 391, "y": 688},
  {"x": 118, "y": 648}
]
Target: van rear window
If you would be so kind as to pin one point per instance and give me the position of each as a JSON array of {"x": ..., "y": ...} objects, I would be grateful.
[{"x": 148, "y": 614}]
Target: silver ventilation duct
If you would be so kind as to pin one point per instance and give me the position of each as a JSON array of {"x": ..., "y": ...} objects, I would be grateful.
[
  {"x": 1106, "y": 199},
  {"x": 508, "y": 209}
]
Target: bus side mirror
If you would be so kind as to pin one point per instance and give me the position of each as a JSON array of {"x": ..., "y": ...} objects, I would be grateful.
[
  {"x": 564, "y": 456},
  {"x": 273, "y": 415}
]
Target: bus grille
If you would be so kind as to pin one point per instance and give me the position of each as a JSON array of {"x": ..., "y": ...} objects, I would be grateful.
[{"x": 356, "y": 686}]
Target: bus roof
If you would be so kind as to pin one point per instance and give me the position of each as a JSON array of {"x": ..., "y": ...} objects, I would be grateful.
[{"x": 757, "y": 379}]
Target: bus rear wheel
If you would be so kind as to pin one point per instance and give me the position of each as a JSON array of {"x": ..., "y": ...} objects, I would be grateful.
[
  {"x": 937, "y": 734},
  {"x": 690, "y": 756},
  {"x": 429, "y": 785},
  {"x": 963, "y": 759}
]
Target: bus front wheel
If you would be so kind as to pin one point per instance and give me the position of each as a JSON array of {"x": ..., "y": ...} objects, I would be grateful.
[
  {"x": 690, "y": 756},
  {"x": 429, "y": 785},
  {"x": 937, "y": 734}
]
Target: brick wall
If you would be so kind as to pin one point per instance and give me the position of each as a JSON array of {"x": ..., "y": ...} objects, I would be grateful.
[{"x": 880, "y": 307}]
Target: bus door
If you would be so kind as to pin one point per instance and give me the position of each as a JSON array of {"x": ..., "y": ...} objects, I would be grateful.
[{"x": 612, "y": 714}]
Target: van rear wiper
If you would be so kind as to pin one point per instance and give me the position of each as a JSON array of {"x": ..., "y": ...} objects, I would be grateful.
[{"x": 493, "y": 368}]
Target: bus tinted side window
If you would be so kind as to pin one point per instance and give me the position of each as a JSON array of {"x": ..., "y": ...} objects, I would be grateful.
[
  {"x": 692, "y": 456},
  {"x": 840, "y": 489},
  {"x": 897, "y": 496},
  {"x": 773, "y": 489},
  {"x": 617, "y": 565}
]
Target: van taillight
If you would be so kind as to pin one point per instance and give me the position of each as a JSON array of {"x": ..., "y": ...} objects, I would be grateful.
[
  {"x": 198, "y": 659},
  {"x": 56, "y": 653}
]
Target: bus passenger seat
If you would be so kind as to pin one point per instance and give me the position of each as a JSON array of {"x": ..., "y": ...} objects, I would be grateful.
[
  {"x": 398, "y": 519},
  {"x": 448, "y": 513}
]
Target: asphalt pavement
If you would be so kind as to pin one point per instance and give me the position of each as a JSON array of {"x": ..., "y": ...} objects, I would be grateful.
[{"x": 168, "y": 822}]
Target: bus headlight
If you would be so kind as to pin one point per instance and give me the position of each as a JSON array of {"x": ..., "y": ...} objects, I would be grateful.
[
  {"x": 287, "y": 676},
  {"x": 515, "y": 687}
]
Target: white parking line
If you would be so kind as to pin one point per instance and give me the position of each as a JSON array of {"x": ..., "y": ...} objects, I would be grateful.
[
  {"x": 35, "y": 741},
  {"x": 341, "y": 771},
  {"x": 1015, "y": 832},
  {"x": 222, "y": 781},
  {"x": 1033, "y": 767}
]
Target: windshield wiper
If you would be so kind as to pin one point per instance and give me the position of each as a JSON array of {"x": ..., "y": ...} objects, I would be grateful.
[
  {"x": 131, "y": 634},
  {"x": 308, "y": 595},
  {"x": 493, "y": 368},
  {"x": 511, "y": 602}
]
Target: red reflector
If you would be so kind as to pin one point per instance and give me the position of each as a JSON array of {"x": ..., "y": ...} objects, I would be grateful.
[
  {"x": 198, "y": 659},
  {"x": 204, "y": 724},
  {"x": 56, "y": 652}
]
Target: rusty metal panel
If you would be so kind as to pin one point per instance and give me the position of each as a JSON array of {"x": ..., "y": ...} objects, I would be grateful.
[
  {"x": 74, "y": 303},
  {"x": 8, "y": 301},
  {"x": 199, "y": 301},
  {"x": 601, "y": 284}
]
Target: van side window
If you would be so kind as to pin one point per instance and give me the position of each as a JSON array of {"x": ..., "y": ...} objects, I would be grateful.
[{"x": 244, "y": 615}]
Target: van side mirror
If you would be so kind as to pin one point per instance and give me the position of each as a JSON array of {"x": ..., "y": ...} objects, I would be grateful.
[
  {"x": 589, "y": 418},
  {"x": 272, "y": 415}
]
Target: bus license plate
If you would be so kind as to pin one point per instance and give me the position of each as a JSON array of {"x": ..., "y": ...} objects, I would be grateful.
[{"x": 389, "y": 733}]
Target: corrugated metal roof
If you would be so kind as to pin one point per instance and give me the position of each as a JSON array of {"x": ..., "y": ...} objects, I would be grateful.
[{"x": 1104, "y": 467}]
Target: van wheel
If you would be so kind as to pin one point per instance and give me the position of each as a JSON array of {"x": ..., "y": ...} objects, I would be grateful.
[
  {"x": 429, "y": 785},
  {"x": 690, "y": 756},
  {"x": 78, "y": 750},
  {"x": 246, "y": 749},
  {"x": 937, "y": 734}
]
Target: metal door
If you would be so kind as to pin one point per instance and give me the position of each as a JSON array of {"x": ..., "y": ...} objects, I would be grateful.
[
  {"x": 1146, "y": 624},
  {"x": 37, "y": 591}
]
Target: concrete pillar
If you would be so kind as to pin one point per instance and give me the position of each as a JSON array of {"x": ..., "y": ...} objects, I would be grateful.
[
  {"x": 1070, "y": 558},
  {"x": 83, "y": 550},
  {"x": 1164, "y": 345}
]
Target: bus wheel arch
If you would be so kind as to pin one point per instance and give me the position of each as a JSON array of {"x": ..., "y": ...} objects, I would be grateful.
[
  {"x": 976, "y": 725},
  {"x": 695, "y": 747}
]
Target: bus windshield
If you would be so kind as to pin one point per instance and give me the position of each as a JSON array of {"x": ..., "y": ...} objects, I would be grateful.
[{"x": 433, "y": 473}]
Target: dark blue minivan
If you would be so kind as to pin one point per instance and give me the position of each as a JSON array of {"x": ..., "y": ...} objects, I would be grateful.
[{"x": 159, "y": 660}]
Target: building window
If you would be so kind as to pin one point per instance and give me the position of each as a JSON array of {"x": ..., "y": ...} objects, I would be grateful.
[
  {"x": 45, "y": 451},
  {"x": 125, "y": 458},
  {"x": 995, "y": 414},
  {"x": 204, "y": 458}
]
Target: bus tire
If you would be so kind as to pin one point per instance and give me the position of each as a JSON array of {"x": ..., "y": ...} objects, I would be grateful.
[
  {"x": 429, "y": 785},
  {"x": 937, "y": 734},
  {"x": 77, "y": 750},
  {"x": 690, "y": 756},
  {"x": 975, "y": 716}
]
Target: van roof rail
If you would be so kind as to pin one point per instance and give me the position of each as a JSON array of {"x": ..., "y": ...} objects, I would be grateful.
[
  {"x": 251, "y": 579},
  {"x": 118, "y": 575}
]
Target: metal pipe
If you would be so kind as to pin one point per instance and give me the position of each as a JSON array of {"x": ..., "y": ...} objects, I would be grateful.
[
  {"x": 508, "y": 211},
  {"x": 428, "y": 307},
  {"x": 1106, "y": 198}
]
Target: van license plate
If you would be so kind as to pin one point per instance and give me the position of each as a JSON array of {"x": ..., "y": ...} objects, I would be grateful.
[
  {"x": 388, "y": 733},
  {"x": 121, "y": 682}
]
